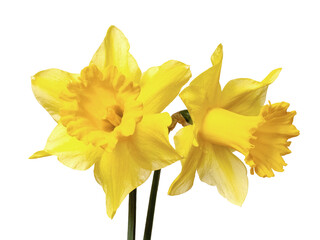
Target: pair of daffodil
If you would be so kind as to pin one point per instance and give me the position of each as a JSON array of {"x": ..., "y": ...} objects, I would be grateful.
[{"x": 110, "y": 116}]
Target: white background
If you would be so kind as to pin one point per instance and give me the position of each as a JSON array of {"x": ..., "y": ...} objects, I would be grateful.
[{"x": 42, "y": 199}]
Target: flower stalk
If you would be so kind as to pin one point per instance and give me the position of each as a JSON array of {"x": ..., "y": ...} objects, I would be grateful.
[
  {"x": 132, "y": 215},
  {"x": 182, "y": 117},
  {"x": 152, "y": 205}
]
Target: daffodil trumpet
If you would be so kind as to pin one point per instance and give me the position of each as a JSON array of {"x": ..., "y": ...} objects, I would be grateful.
[{"x": 228, "y": 120}]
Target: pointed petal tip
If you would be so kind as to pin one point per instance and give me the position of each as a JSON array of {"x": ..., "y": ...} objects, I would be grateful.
[
  {"x": 178, "y": 188},
  {"x": 237, "y": 202},
  {"x": 219, "y": 49},
  {"x": 111, "y": 216},
  {"x": 187, "y": 67},
  {"x": 113, "y": 27},
  {"x": 39, "y": 154},
  {"x": 111, "y": 213},
  {"x": 34, "y": 78},
  {"x": 217, "y": 55},
  {"x": 177, "y": 63},
  {"x": 272, "y": 76},
  {"x": 171, "y": 192},
  {"x": 276, "y": 71},
  {"x": 114, "y": 30},
  {"x": 182, "y": 65}
]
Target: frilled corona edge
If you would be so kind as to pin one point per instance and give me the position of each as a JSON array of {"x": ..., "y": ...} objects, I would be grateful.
[
  {"x": 270, "y": 139},
  {"x": 101, "y": 108}
]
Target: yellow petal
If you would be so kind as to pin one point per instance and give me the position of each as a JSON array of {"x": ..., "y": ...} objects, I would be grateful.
[
  {"x": 47, "y": 87},
  {"x": 183, "y": 141},
  {"x": 149, "y": 146},
  {"x": 118, "y": 173},
  {"x": 246, "y": 96},
  {"x": 70, "y": 151},
  {"x": 204, "y": 91},
  {"x": 160, "y": 85},
  {"x": 114, "y": 51},
  {"x": 40, "y": 154},
  {"x": 217, "y": 56},
  {"x": 218, "y": 166}
]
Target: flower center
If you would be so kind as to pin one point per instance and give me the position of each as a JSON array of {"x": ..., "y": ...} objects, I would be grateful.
[
  {"x": 113, "y": 116},
  {"x": 101, "y": 107}
]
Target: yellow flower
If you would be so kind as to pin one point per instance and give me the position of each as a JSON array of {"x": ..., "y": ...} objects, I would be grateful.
[
  {"x": 109, "y": 115},
  {"x": 228, "y": 120}
]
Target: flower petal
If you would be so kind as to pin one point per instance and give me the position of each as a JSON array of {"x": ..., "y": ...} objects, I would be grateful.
[
  {"x": 118, "y": 174},
  {"x": 160, "y": 85},
  {"x": 47, "y": 87},
  {"x": 217, "y": 56},
  {"x": 114, "y": 51},
  {"x": 149, "y": 146},
  {"x": 218, "y": 166},
  {"x": 246, "y": 96},
  {"x": 40, "y": 154},
  {"x": 70, "y": 151},
  {"x": 184, "y": 144},
  {"x": 183, "y": 141},
  {"x": 204, "y": 91}
]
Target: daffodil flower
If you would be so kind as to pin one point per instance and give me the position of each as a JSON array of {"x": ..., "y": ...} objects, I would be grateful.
[
  {"x": 109, "y": 115},
  {"x": 226, "y": 120}
]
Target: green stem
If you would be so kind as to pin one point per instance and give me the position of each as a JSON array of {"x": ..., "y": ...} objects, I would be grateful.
[
  {"x": 132, "y": 215},
  {"x": 152, "y": 205}
]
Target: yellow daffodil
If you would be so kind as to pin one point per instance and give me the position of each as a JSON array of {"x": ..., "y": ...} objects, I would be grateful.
[
  {"x": 109, "y": 115},
  {"x": 226, "y": 120}
]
